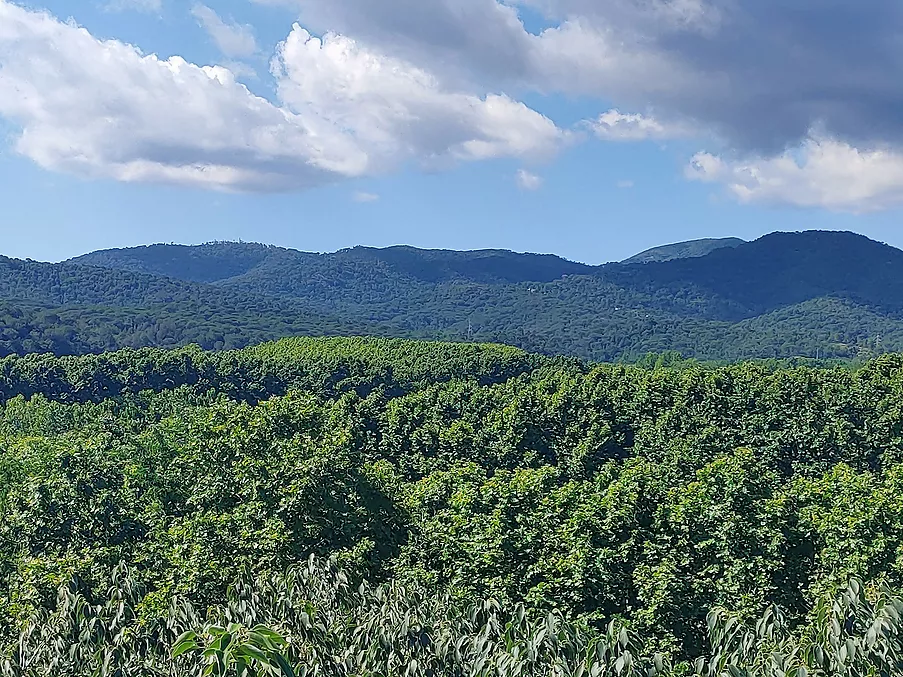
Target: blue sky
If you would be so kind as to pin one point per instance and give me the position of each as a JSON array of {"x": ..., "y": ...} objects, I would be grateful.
[{"x": 590, "y": 162}]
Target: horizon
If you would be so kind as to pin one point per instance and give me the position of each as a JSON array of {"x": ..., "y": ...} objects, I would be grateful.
[{"x": 436, "y": 249}]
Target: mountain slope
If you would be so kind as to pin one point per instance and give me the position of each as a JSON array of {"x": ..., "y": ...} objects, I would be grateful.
[
  {"x": 77, "y": 330},
  {"x": 783, "y": 295},
  {"x": 203, "y": 263},
  {"x": 67, "y": 283},
  {"x": 684, "y": 250},
  {"x": 782, "y": 269},
  {"x": 71, "y": 309}
]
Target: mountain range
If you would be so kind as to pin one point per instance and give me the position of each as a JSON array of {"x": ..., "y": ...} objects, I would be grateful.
[{"x": 811, "y": 294}]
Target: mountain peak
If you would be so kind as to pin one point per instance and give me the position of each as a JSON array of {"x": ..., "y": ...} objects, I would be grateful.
[{"x": 684, "y": 250}]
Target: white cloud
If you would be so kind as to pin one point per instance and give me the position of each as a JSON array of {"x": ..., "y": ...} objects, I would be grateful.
[
  {"x": 616, "y": 126},
  {"x": 461, "y": 40},
  {"x": 232, "y": 39},
  {"x": 399, "y": 81},
  {"x": 361, "y": 196},
  {"x": 528, "y": 181},
  {"x": 150, "y": 6},
  {"x": 624, "y": 184},
  {"x": 403, "y": 112},
  {"x": 104, "y": 109},
  {"x": 821, "y": 173},
  {"x": 718, "y": 67}
]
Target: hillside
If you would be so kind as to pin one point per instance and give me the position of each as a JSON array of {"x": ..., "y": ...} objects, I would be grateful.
[
  {"x": 75, "y": 309},
  {"x": 825, "y": 294},
  {"x": 684, "y": 250},
  {"x": 782, "y": 269},
  {"x": 204, "y": 263}
]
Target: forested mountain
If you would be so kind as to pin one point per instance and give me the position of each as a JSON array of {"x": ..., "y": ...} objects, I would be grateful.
[
  {"x": 684, "y": 250},
  {"x": 73, "y": 309},
  {"x": 226, "y": 261},
  {"x": 814, "y": 294},
  {"x": 204, "y": 263},
  {"x": 782, "y": 269},
  {"x": 343, "y": 507}
]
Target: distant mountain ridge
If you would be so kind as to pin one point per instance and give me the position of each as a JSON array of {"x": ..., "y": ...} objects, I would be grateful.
[
  {"x": 219, "y": 262},
  {"x": 205, "y": 263},
  {"x": 684, "y": 250},
  {"x": 785, "y": 294}
]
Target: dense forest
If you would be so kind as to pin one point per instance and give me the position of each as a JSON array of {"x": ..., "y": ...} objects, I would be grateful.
[
  {"x": 786, "y": 295},
  {"x": 387, "y": 507}
]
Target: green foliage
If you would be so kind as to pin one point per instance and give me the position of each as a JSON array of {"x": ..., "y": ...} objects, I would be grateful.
[
  {"x": 235, "y": 649},
  {"x": 328, "y": 366},
  {"x": 313, "y": 622},
  {"x": 854, "y": 634},
  {"x": 146, "y": 494}
]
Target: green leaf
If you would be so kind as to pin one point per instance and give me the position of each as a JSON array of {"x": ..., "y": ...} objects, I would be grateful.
[
  {"x": 283, "y": 665},
  {"x": 254, "y": 653},
  {"x": 187, "y": 641}
]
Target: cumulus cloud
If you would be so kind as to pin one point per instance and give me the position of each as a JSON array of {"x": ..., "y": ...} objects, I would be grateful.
[
  {"x": 399, "y": 109},
  {"x": 528, "y": 181},
  {"x": 821, "y": 173},
  {"x": 437, "y": 82},
  {"x": 102, "y": 108},
  {"x": 232, "y": 39},
  {"x": 617, "y": 126},
  {"x": 721, "y": 66},
  {"x": 468, "y": 39},
  {"x": 361, "y": 196}
]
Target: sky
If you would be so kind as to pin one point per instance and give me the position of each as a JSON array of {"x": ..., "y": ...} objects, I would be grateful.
[{"x": 592, "y": 129}]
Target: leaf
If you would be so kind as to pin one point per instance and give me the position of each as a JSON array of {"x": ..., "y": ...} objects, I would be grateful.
[
  {"x": 283, "y": 665},
  {"x": 659, "y": 663},
  {"x": 187, "y": 641},
  {"x": 254, "y": 653}
]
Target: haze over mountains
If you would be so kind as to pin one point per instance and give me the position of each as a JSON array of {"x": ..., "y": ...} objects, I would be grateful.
[{"x": 786, "y": 294}]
